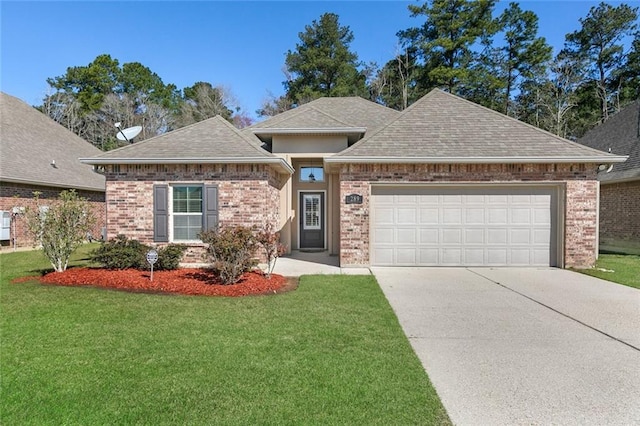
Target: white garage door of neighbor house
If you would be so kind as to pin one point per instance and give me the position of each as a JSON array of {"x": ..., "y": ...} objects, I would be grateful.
[{"x": 463, "y": 226}]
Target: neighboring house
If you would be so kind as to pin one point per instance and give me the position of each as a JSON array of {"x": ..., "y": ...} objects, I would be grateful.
[
  {"x": 620, "y": 184},
  {"x": 446, "y": 182},
  {"x": 39, "y": 155}
]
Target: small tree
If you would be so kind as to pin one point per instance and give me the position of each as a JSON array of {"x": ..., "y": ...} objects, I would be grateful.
[
  {"x": 273, "y": 249},
  {"x": 61, "y": 228}
]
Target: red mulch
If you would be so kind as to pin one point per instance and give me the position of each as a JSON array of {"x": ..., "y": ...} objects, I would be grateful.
[{"x": 180, "y": 281}]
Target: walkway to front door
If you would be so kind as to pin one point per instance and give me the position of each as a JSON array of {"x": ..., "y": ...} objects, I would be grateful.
[{"x": 312, "y": 220}]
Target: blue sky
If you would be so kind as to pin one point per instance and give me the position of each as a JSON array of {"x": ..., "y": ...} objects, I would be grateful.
[{"x": 238, "y": 44}]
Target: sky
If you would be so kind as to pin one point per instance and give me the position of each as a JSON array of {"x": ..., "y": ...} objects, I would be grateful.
[{"x": 240, "y": 45}]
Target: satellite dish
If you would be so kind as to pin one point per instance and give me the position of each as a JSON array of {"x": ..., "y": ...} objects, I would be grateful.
[{"x": 129, "y": 133}]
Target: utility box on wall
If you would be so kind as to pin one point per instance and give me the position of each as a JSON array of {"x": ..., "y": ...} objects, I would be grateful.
[{"x": 5, "y": 225}]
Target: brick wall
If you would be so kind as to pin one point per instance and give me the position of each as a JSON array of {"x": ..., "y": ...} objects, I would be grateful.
[
  {"x": 620, "y": 213},
  {"x": 21, "y": 195},
  {"x": 248, "y": 195},
  {"x": 581, "y": 199}
]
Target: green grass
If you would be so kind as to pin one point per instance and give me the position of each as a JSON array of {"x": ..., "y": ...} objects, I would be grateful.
[
  {"x": 331, "y": 352},
  {"x": 619, "y": 268}
]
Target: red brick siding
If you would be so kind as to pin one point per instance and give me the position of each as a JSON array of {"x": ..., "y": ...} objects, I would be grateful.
[
  {"x": 620, "y": 212},
  {"x": 580, "y": 209},
  {"x": 21, "y": 195},
  {"x": 247, "y": 194}
]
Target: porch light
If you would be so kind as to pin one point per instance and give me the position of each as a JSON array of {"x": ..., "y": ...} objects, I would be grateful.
[{"x": 312, "y": 178}]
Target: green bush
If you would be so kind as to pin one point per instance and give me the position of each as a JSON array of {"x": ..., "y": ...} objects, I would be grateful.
[
  {"x": 121, "y": 253},
  {"x": 169, "y": 257},
  {"x": 231, "y": 251}
]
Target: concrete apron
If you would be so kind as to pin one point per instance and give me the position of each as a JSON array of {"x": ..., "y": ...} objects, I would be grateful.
[
  {"x": 312, "y": 263},
  {"x": 522, "y": 346}
]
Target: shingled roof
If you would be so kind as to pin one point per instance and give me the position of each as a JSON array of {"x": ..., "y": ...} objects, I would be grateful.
[
  {"x": 213, "y": 140},
  {"x": 30, "y": 142},
  {"x": 619, "y": 135},
  {"x": 441, "y": 127},
  {"x": 328, "y": 114}
]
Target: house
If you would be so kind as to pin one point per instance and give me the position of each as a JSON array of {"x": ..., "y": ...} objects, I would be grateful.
[
  {"x": 619, "y": 184},
  {"x": 445, "y": 182},
  {"x": 39, "y": 155}
]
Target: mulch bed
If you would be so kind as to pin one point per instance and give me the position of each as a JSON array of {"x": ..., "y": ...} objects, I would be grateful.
[{"x": 181, "y": 281}]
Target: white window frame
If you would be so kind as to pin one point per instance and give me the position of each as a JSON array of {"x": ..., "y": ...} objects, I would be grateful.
[{"x": 172, "y": 214}]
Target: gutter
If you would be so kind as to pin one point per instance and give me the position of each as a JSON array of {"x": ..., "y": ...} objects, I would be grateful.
[
  {"x": 192, "y": 160},
  {"x": 606, "y": 159}
]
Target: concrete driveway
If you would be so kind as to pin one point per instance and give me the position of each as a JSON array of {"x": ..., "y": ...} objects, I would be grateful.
[{"x": 522, "y": 346}]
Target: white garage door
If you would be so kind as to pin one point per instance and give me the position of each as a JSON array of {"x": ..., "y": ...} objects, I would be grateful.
[{"x": 463, "y": 226}]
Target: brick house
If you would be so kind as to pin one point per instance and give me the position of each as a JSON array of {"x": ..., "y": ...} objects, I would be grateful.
[
  {"x": 619, "y": 184},
  {"x": 39, "y": 155},
  {"x": 444, "y": 183}
]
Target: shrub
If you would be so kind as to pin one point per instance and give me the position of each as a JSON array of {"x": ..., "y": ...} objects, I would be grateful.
[
  {"x": 60, "y": 228},
  {"x": 231, "y": 251},
  {"x": 273, "y": 249},
  {"x": 169, "y": 257},
  {"x": 121, "y": 253}
]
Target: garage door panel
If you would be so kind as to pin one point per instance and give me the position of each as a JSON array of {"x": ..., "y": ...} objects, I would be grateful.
[
  {"x": 429, "y": 236},
  {"x": 497, "y": 236},
  {"x": 474, "y": 216},
  {"x": 406, "y": 216},
  {"x": 474, "y": 236},
  {"x": 406, "y": 256},
  {"x": 406, "y": 236},
  {"x": 520, "y": 257},
  {"x": 451, "y": 256},
  {"x": 429, "y": 216},
  {"x": 452, "y": 216},
  {"x": 383, "y": 236},
  {"x": 451, "y": 236},
  {"x": 541, "y": 216},
  {"x": 384, "y": 216},
  {"x": 429, "y": 256},
  {"x": 497, "y": 256},
  {"x": 498, "y": 216},
  {"x": 474, "y": 256},
  {"x": 520, "y": 216},
  {"x": 520, "y": 236}
]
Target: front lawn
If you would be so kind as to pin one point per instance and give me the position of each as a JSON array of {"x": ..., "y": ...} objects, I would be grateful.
[
  {"x": 619, "y": 268},
  {"x": 330, "y": 352}
]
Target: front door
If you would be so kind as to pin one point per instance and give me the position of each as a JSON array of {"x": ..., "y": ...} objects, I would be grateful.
[{"x": 311, "y": 220}]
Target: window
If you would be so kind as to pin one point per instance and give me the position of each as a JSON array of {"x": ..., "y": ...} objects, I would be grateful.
[
  {"x": 311, "y": 174},
  {"x": 187, "y": 212}
]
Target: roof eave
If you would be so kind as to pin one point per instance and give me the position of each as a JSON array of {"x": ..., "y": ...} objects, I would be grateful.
[
  {"x": 479, "y": 160},
  {"x": 278, "y": 163},
  {"x": 52, "y": 184},
  {"x": 305, "y": 131}
]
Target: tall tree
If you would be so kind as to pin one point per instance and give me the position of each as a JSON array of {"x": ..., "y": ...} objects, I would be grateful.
[
  {"x": 322, "y": 64},
  {"x": 522, "y": 54},
  {"x": 445, "y": 41},
  {"x": 599, "y": 43},
  {"x": 89, "y": 84},
  {"x": 202, "y": 101},
  {"x": 395, "y": 83}
]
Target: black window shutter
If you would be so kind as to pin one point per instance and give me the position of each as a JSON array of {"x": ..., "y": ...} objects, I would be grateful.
[
  {"x": 161, "y": 213},
  {"x": 210, "y": 207}
]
